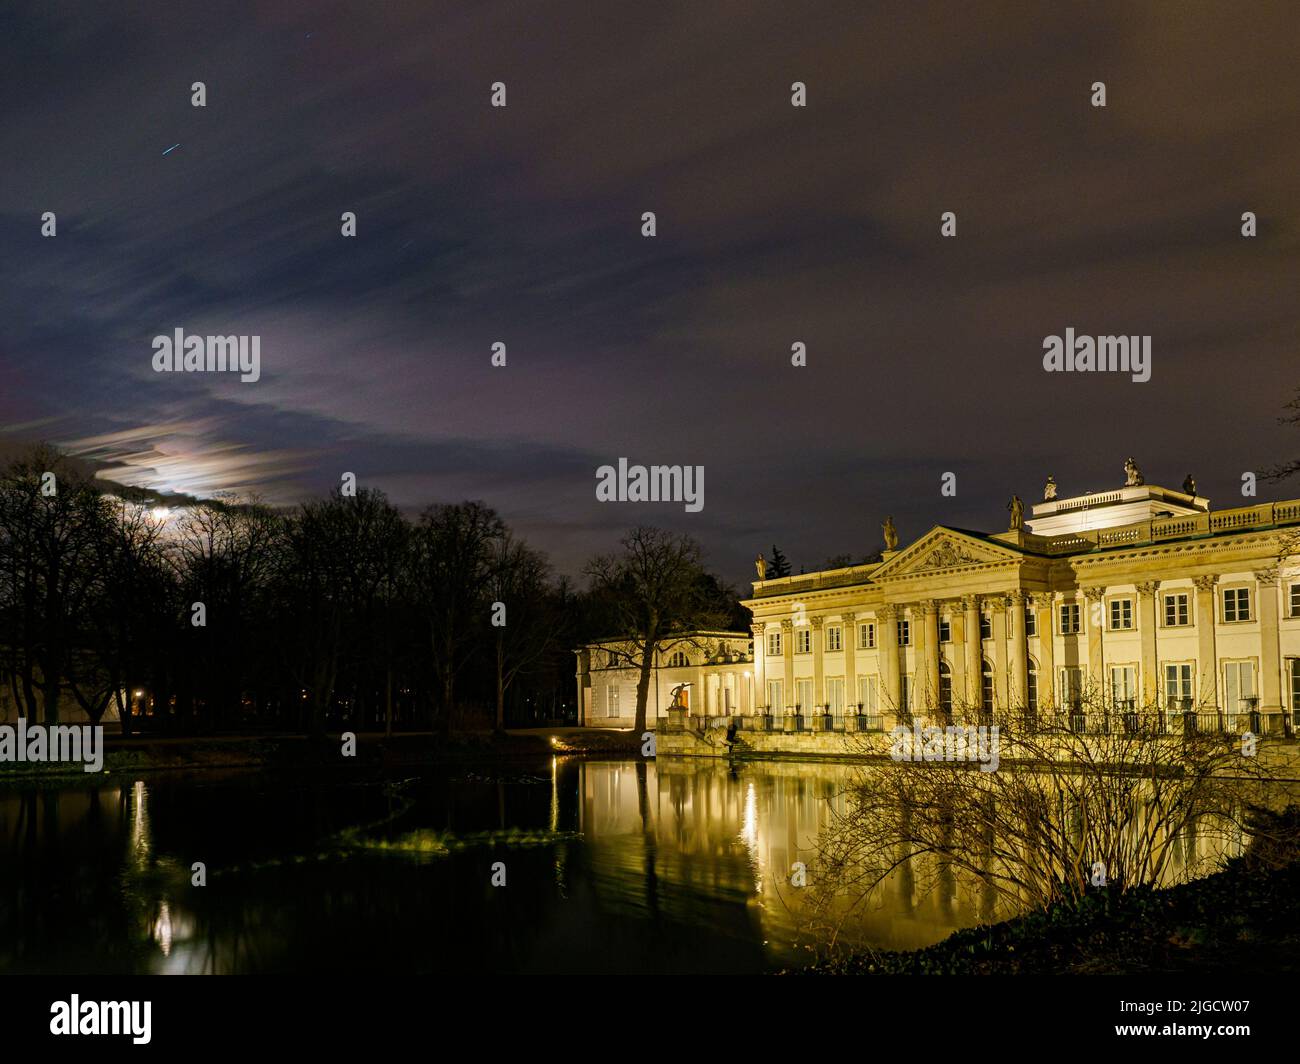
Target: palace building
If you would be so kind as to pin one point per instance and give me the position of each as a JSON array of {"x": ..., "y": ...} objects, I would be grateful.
[{"x": 1140, "y": 598}]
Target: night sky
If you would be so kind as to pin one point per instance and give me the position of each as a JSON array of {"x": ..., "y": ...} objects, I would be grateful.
[{"x": 775, "y": 224}]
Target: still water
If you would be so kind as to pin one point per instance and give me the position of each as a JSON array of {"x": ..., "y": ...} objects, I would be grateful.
[{"x": 609, "y": 866}]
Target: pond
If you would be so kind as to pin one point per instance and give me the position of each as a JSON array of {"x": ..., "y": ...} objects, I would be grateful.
[{"x": 602, "y": 866}]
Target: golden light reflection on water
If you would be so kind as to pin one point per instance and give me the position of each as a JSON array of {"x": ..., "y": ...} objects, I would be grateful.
[{"x": 683, "y": 852}]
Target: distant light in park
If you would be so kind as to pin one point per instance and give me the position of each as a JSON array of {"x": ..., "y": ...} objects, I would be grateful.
[{"x": 160, "y": 513}]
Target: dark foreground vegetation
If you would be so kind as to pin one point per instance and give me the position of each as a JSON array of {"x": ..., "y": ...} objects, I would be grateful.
[{"x": 1244, "y": 918}]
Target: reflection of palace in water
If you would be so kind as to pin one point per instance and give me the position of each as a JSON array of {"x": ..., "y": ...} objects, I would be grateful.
[
  {"x": 742, "y": 833},
  {"x": 683, "y": 864}
]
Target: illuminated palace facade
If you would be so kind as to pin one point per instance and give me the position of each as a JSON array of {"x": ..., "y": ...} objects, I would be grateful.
[{"x": 1140, "y": 598}]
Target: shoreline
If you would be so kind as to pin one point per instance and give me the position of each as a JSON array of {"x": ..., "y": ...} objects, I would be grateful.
[{"x": 373, "y": 749}]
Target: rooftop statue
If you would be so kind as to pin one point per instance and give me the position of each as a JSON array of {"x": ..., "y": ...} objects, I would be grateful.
[
  {"x": 1017, "y": 509},
  {"x": 1189, "y": 486},
  {"x": 760, "y": 564},
  {"x": 891, "y": 534},
  {"x": 1132, "y": 474},
  {"x": 1049, "y": 492}
]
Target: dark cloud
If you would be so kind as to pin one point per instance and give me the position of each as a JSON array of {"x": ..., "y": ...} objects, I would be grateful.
[{"x": 776, "y": 225}]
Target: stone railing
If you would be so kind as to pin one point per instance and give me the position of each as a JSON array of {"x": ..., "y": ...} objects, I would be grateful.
[{"x": 1243, "y": 519}]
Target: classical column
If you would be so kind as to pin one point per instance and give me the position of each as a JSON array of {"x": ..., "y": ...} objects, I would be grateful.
[
  {"x": 1146, "y": 619},
  {"x": 760, "y": 666},
  {"x": 887, "y": 642},
  {"x": 928, "y": 681},
  {"x": 1096, "y": 622},
  {"x": 974, "y": 650},
  {"x": 1046, "y": 650},
  {"x": 1207, "y": 662},
  {"x": 819, "y": 668},
  {"x": 787, "y": 659},
  {"x": 1018, "y": 651},
  {"x": 1270, "y": 688},
  {"x": 850, "y": 642},
  {"x": 997, "y": 605}
]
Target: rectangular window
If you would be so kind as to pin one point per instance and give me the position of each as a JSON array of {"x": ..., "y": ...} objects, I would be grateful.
[
  {"x": 1238, "y": 686},
  {"x": 866, "y": 636},
  {"x": 1295, "y": 690},
  {"x": 803, "y": 695},
  {"x": 834, "y": 637},
  {"x": 945, "y": 630},
  {"x": 867, "y": 693},
  {"x": 1070, "y": 618},
  {"x": 1071, "y": 685},
  {"x": 775, "y": 697},
  {"x": 1178, "y": 611},
  {"x": 611, "y": 701},
  {"x": 803, "y": 641},
  {"x": 986, "y": 626},
  {"x": 1178, "y": 685},
  {"x": 906, "y": 683},
  {"x": 1031, "y": 690},
  {"x": 1236, "y": 604},
  {"x": 835, "y": 695},
  {"x": 1295, "y": 600},
  {"x": 1031, "y": 622},
  {"x": 904, "y": 633},
  {"x": 1121, "y": 615},
  {"x": 773, "y": 644},
  {"x": 1123, "y": 685}
]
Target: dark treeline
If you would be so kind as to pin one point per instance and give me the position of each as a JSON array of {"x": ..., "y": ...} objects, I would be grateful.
[{"x": 231, "y": 615}]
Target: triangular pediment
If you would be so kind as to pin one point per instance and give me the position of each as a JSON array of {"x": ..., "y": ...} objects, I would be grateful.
[{"x": 942, "y": 549}]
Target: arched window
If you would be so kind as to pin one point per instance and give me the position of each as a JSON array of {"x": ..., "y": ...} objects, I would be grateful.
[
  {"x": 945, "y": 690},
  {"x": 986, "y": 686},
  {"x": 678, "y": 660}
]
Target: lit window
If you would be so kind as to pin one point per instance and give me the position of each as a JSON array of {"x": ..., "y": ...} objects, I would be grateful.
[
  {"x": 1238, "y": 686},
  {"x": 1123, "y": 684},
  {"x": 1070, "y": 618},
  {"x": 1236, "y": 604},
  {"x": 611, "y": 701},
  {"x": 1072, "y": 685},
  {"x": 773, "y": 644},
  {"x": 1178, "y": 685},
  {"x": 1177, "y": 610}
]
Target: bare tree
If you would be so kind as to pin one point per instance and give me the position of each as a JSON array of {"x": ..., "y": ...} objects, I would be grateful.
[
  {"x": 451, "y": 565},
  {"x": 656, "y": 593},
  {"x": 51, "y": 516},
  {"x": 1066, "y": 809},
  {"x": 532, "y": 625}
]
